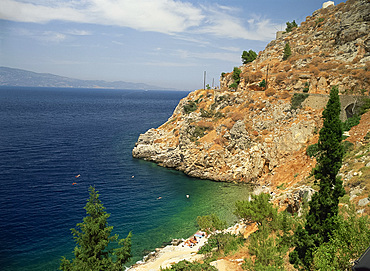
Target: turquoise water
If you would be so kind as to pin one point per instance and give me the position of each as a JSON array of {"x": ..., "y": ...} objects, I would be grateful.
[{"x": 48, "y": 136}]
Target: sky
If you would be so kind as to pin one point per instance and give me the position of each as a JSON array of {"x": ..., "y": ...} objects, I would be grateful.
[{"x": 167, "y": 43}]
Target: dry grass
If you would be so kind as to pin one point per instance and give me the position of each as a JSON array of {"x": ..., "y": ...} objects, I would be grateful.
[
  {"x": 237, "y": 115},
  {"x": 327, "y": 66},
  {"x": 287, "y": 67},
  {"x": 284, "y": 95},
  {"x": 315, "y": 71},
  {"x": 205, "y": 124},
  {"x": 270, "y": 92},
  {"x": 280, "y": 77}
]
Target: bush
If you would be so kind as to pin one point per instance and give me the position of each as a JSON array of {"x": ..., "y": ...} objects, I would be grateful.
[
  {"x": 185, "y": 265},
  {"x": 190, "y": 107},
  {"x": 306, "y": 87},
  {"x": 348, "y": 242},
  {"x": 233, "y": 86},
  {"x": 297, "y": 100},
  {"x": 226, "y": 242},
  {"x": 259, "y": 209},
  {"x": 197, "y": 132},
  {"x": 364, "y": 107},
  {"x": 348, "y": 146},
  {"x": 351, "y": 122},
  {"x": 262, "y": 83},
  {"x": 312, "y": 150},
  {"x": 210, "y": 223}
]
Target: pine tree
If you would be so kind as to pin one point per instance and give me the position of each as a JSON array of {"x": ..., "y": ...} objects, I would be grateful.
[
  {"x": 322, "y": 217},
  {"x": 93, "y": 238},
  {"x": 248, "y": 56},
  {"x": 290, "y": 26}
]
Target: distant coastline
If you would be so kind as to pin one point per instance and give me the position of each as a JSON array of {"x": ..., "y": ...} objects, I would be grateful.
[{"x": 23, "y": 78}]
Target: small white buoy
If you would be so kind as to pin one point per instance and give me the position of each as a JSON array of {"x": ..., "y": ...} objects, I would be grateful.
[{"x": 187, "y": 196}]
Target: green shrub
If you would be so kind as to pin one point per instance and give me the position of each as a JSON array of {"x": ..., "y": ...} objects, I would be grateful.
[
  {"x": 367, "y": 136},
  {"x": 210, "y": 114},
  {"x": 233, "y": 86},
  {"x": 312, "y": 150},
  {"x": 348, "y": 146},
  {"x": 197, "y": 132},
  {"x": 306, "y": 87},
  {"x": 348, "y": 242},
  {"x": 258, "y": 210},
  {"x": 319, "y": 21},
  {"x": 190, "y": 107},
  {"x": 364, "y": 107},
  {"x": 351, "y": 122},
  {"x": 225, "y": 242},
  {"x": 185, "y": 265},
  {"x": 297, "y": 100},
  {"x": 262, "y": 83}
]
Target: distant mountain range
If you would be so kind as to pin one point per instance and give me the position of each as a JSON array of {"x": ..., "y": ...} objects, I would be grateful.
[{"x": 18, "y": 77}]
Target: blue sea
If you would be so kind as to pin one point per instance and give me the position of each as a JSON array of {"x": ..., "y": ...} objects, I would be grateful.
[{"x": 48, "y": 136}]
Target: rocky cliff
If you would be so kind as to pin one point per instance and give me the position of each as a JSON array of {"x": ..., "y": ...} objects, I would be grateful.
[{"x": 250, "y": 133}]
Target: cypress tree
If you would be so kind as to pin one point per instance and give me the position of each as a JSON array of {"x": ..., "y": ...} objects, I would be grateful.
[
  {"x": 93, "y": 238},
  {"x": 287, "y": 51},
  {"x": 321, "y": 219}
]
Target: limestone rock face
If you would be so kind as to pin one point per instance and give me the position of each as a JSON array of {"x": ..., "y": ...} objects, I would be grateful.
[
  {"x": 242, "y": 135},
  {"x": 231, "y": 136}
]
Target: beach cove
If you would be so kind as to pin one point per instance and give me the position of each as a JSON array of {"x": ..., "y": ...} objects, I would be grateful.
[{"x": 180, "y": 250}]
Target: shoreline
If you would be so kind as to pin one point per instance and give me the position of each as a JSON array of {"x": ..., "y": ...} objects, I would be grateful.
[{"x": 179, "y": 250}]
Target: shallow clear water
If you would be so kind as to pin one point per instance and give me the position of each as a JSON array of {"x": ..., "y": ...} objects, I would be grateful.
[{"x": 48, "y": 136}]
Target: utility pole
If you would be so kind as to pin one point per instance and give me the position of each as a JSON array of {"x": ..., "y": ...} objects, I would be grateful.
[
  {"x": 267, "y": 76},
  {"x": 204, "y": 80}
]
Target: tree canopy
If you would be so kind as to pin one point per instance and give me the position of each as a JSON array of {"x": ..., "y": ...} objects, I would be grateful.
[
  {"x": 210, "y": 223},
  {"x": 290, "y": 26},
  {"x": 93, "y": 238},
  {"x": 257, "y": 210},
  {"x": 248, "y": 56}
]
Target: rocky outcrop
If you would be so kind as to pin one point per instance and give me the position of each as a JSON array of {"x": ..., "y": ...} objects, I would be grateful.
[
  {"x": 242, "y": 135},
  {"x": 231, "y": 136}
]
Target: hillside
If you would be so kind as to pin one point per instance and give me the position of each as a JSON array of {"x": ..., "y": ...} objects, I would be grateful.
[
  {"x": 260, "y": 136},
  {"x": 23, "y": 78},
  {"x": 332, "y": 47}
]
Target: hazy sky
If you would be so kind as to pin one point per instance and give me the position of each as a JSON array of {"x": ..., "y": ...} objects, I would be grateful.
[{"x": 169, "y": 43}]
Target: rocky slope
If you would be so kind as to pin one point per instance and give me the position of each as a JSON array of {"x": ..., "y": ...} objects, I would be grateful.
[
  {"x": 258, "y": 135},
  {"x": 332, "y": 47}
]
